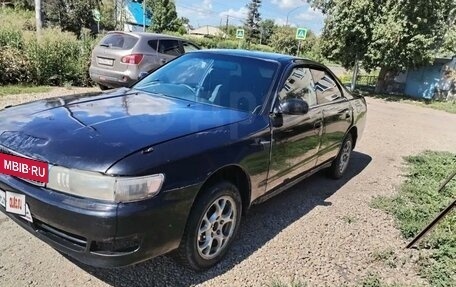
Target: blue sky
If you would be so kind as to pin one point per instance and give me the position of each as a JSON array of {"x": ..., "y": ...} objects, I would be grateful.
[{"x": 214, "y": 12}]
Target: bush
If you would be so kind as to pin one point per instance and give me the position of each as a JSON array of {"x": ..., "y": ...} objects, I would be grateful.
[
  {"x": 56, "y": 58},
  {"x": 11, "y": 38},
  {"x": 59, "y": 58},
  {"x": 15, "y": 66}
]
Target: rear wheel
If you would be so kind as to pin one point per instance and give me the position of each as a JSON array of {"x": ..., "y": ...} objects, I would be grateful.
[
  {"x": 211, "y": 227},
  {"x": 340, "y": 163}
]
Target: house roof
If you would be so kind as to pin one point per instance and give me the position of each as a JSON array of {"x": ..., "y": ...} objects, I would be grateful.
[{"x": 208, "y": 31}]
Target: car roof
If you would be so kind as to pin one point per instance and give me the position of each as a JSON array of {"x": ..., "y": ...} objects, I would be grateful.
[
  {"x": 147, "y": 34},
  {"x": 282, "y": 58}
]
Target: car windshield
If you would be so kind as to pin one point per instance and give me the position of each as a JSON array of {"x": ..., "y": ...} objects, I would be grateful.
[{"x": 233, "y": 82}]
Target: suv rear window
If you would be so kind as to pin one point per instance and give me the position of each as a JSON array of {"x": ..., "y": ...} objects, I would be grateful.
[{"x": 119, "y": 41}]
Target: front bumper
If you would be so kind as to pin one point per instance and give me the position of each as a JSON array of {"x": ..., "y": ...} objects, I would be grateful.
[{"x": 104, "y": 234}]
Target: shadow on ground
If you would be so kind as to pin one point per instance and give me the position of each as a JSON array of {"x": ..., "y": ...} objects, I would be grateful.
[{"x": 261, "y": 224}]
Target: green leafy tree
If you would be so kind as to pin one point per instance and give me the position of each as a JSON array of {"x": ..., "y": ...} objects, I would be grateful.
[
  {"x": 108, "y": 15},
  {"x": 164, "y": 16},
  {"x": 71, "y": 15},
  {"x": 267, "y": 28},
  {"x": 283, "y": 40},
  {"x": 252, "y": 23},
  {"x": 391, "y": 34}
]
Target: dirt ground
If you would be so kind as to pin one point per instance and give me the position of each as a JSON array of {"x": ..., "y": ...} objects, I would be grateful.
[{"x": 322, "y": 232}]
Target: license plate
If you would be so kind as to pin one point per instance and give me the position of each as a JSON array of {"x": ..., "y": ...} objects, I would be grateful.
[
  {"x": 24, "y": 168},
  {"x": 107, "y": 62},
  {"x": 15, "y": 203}
]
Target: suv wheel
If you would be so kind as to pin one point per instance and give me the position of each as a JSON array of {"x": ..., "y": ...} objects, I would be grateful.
[{"x": 211, "y": 227}]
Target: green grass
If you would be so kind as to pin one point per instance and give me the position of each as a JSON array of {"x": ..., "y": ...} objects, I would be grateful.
[
  {"x": 20, "y": 89},
  {"x": 373, "y": 280},
  {"x": 449, "y": 106},
  {"x": 417, "y": 203},
  {"x": 388, "y": 257}
]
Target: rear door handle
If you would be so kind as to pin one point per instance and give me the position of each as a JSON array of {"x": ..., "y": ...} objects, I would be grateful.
[
  {"x": 162, "y": 61},
  {"x": 317, "y": 125}
]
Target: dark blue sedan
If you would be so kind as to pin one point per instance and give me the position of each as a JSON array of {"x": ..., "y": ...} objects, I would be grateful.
[{"x": 172, "y": 163}]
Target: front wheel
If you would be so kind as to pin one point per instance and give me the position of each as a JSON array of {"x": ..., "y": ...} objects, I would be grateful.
[
  {"x": 340, "y": 163},
  {"x": 211, "y": 227}
]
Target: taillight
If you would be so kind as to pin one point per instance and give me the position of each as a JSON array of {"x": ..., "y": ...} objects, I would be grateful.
[{"x": 132, "y": 59}]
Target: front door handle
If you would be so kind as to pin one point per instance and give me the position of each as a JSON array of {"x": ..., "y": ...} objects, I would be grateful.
[{"x": 262, "y": 142}]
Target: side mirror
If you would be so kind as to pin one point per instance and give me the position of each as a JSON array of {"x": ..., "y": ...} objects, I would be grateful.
[
  {"x": 294, "y": 106},
  {"x": 142, "y": 75}
]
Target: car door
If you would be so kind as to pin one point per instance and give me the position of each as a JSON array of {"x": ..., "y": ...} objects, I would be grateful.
[
  {"x": 337, "y": 114},
  {"x": 168, "y": 49},
  {"x": 296, "y": 141}
]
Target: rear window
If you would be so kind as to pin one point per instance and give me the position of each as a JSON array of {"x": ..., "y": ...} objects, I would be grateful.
[{"x": 119, "y": 41}]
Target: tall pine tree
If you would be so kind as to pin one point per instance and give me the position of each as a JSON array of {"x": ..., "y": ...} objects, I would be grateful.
[{"x": 252, "y": 23}]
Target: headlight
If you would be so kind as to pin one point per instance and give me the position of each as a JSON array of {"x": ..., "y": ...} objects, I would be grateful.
[{"x": 103, "y": 187}]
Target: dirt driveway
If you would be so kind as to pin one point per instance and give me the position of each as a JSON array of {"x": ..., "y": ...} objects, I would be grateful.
[{"x": 322, "y": 232}]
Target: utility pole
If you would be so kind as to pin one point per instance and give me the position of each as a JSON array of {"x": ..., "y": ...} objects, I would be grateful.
[
  {"x": 227, "y": 17},
  {"x": 39, "y": 22},
  {"x": 144, "y": 15}
]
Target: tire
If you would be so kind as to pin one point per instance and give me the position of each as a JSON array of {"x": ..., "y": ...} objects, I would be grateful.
[
  {"x": 196, "y": 250},
  {"x": 340, "y": 163},
  {"x": 103, "y": 87}
]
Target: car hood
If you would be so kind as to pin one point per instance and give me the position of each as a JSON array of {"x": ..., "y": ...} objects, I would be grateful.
[{"x": 93, "y": 131}]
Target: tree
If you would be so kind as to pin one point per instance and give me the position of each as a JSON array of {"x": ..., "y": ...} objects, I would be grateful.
[
  {"x": 164, "y": 16},
  {"x": 251, "y": 25},
  {"x": 267, "y": 28},
  {"x": 385, "y": 33},
  {"x": 71, "y": 15},
  {"x": 284, "y": 41},
  {"x": 391, "y": 34}
]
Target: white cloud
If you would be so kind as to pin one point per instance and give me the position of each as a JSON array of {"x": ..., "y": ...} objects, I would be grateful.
[
  {"x": 207, "y": 4},
  {"x": 283, "y": 22},
  {"x": 286, "y": 4},
  {"x": 241, "y": 13},
  {"x": 310, "y": 15},
  {"x": 197, "y": 13}
]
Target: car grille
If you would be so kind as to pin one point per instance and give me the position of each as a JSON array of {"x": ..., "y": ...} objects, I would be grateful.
[{"x": 10, "y": 152}]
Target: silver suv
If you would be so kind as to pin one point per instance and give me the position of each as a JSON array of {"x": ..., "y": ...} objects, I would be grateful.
[{"x": 120, "y": 57}]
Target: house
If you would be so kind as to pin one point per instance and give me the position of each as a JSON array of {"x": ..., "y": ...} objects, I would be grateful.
[
  {"x": 207, "y": 31},
  {"x": 131, "y": 15}
]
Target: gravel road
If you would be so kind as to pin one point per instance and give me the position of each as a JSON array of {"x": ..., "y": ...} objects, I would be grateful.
[{"x": 322, "y": 231}]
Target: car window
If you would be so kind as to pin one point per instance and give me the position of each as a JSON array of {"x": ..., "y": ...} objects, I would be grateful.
[
  {"x": 299, "y": 85},
  {"x": 153, "y": 44},
  {"x": 189, "y": 47},
  {"x": 325, "y": 87},
  {"x": 169, "y": 47},
  {"x": 235, "y": 82},
  {"x": 119, "y": 41}
]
